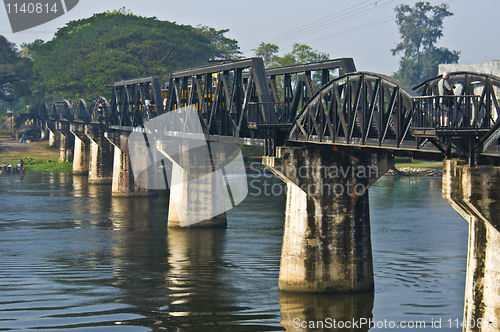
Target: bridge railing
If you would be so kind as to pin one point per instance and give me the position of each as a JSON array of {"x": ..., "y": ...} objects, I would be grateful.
[{"x": 458, "y": 112}]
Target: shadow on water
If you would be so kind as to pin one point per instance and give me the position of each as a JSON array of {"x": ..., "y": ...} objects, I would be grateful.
[{"x": 321, "y": 312}]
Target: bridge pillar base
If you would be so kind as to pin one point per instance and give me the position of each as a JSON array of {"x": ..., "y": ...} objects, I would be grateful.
[
  {"x": 474, "y": 192},
  {"x": 197, "y": 195},
  {"x": 123, "y": 178},
  {"x": 44, "y": 131},
  {"x": 81, "y": 153},
  {"x": 188, "y": 198},
  {"x": 54, "y": 134},
  {"x": 66, "y": 142},
  {"x": 101, "y": 156},
  {"x": 326, "y": 238}
]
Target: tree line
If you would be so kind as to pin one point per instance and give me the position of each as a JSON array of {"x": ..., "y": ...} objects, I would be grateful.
[{"x": 88, "y": 55}]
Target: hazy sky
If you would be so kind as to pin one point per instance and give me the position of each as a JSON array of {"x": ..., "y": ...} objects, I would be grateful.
[{"x": 363, "y": 30}]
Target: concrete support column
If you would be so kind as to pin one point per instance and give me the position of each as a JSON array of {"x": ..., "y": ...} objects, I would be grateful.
[
  {"x": 44, "y": 130},
  {"x": 81, "y": 153},
  {"x": 193, "y": 198},
  {"x": 123, "y": 178},
  {"x": 101, "y": 156},
  {"x": 326, "y": 238},
  {"x": 66, "y": 142},
  {"x": 474, "y": 192},
  {"x": 54, "y": 134},
  {"x": 197, "y": 192}
]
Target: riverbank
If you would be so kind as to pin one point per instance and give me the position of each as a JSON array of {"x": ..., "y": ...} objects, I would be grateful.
[{"x": 37, "y": 156}]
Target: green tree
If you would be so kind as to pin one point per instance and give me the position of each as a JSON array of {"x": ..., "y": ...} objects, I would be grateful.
[
  {"x": 25, "y": 48},
  {"x": 300, "y": 54},
  {"x": 15, "y": 72},
  {"x": 88, "y": 55},
  {"x": 267, "y": 52},
  {"x": 226, "y": 48},
  {"x": 420, "y": 28}
]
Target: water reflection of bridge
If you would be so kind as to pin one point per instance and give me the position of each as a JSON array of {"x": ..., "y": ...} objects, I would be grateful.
[{"x": 315, "y": 116}]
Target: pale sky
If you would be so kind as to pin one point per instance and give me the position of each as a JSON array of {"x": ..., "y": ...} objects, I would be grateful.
[{"x": 362, "y": 29}]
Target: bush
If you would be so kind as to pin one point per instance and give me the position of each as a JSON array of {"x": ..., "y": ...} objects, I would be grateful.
[{"x": 29, "y": 161}]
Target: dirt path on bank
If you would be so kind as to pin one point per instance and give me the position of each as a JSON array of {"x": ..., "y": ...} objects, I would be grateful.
[{"x": 11, "y": 151}]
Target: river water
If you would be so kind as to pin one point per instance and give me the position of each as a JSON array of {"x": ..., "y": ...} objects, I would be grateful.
[{"x": 72, "y": 257}]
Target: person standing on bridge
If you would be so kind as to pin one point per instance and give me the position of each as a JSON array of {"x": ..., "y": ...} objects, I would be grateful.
[
  {"x": 147, "y": 102},
  {"x": 445, "y": 89}
]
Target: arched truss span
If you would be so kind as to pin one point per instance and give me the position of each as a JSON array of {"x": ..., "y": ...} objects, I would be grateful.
[
  {"x": 81, "y": 111},
  {"x": 40, "y": 111},
  {"x": 53, "y": 112},
  {"x": 100, "y": 110},
  {"x": 61, "y": 110},
  {"x": 357, "y": 109}
]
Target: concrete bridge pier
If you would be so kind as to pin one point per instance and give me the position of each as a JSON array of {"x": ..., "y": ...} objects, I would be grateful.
[
  {"x": 326, "y": 238},
  {"x": 81, "y": 153},
  {"x": 54, "y": 134},
  {"x": 101, "y": 156},
  {"x": 123, "y": 178},
  {"x": 197, "y": 195},
  {"x": 44, "y": 130},
  {"x": 66, "y": 142},
  {"x": 474, "y": 192}
]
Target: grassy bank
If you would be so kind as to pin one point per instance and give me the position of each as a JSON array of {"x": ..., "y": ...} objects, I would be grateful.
[
  {"x": 37, "y": 165},
  {"x": 37, "y": 157},
  {"x": 49, "y": 166}
]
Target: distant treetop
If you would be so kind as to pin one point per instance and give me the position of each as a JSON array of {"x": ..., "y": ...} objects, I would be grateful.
[
  {"x": 88, "y": 55},
  {"x": 15, "y": 72},
  {"x": 420, "y": 28}
]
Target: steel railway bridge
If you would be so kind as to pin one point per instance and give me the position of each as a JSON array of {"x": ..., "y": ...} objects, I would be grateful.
[
  {"x": 316, "y": 115},
  {"x": 323, "y": 103}
]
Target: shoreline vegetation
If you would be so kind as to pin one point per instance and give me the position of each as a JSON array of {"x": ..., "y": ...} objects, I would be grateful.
[{"x": 39, "y": 157}]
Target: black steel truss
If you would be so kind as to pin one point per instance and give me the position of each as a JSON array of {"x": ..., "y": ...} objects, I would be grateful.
[
  {"x": 127, "y": 104},
  {"x": 374, "y": 111},
  {"x": 360, "y": 109},
  {"x": 241, "y": 101}
]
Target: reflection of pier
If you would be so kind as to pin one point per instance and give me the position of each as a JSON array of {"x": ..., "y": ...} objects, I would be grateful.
[
  {"x": 192, "y": 253},
  {"x": 304, "y": 119},
  {"x": 319, "y": 312}
]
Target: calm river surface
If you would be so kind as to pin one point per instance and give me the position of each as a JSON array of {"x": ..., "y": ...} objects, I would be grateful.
[{"x": 72, "y": 257}]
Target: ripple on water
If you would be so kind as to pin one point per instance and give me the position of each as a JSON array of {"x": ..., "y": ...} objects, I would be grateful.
[{"x": 83, "y": 260}]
